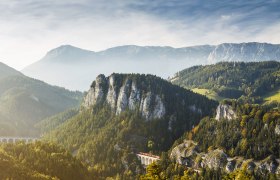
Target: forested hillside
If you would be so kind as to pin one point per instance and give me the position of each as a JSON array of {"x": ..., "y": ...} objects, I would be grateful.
[
  {"x": 25, "y": 101},
  {"x": 249, "y": 82},
  {"x": 245, "y": 147},
  {"x": 109, "y": 130},
  {"x": 50, "y": 123},
  {"x": 39, "y": 161}
]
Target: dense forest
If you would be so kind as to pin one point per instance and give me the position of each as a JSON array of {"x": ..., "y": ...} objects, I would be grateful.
[
  {"x": 50, "y": 123},
  {"x": 247, "y": 81},
  {"x": 26, "y": 101},
  {"x": 166, "y": 169},
  {"x": 253, "y": 135},
  {"x": 39, "y": 161},
  {"x": 108, "y": 141}
]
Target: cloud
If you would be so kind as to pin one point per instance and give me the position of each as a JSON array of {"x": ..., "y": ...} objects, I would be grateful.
[{"x": 28, "y": 29}]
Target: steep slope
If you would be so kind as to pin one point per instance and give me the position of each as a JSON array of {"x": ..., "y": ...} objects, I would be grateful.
[
  {"x": 50, "y": 123},
  {"x": 39, "y": 161},
  {"x": 126, "y": 113},
  {"x": 25, "y": 101},
  {"x": 243, "y": 142},
  {"x": 7, "y": 71},
  {"x": 76, "y": 67},
  {"x": 247, "y": 81}
]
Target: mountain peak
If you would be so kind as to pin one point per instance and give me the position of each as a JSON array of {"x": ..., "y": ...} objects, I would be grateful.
[
  {"x": 67, "y": 52},
  {"x": 146, "y": 93},
  {"x": 66, "y": 49},
  {"x": 7, "y": 71}
]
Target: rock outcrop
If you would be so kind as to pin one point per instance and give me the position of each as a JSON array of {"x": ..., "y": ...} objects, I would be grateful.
[
  {"x": 277, "y": 129},
  {"x": 124, "y": 95},
  {"x": 215, "y": 159},
  {"x": 187, "y": 154},
  {"x": 183, "y": 152},
  {"x": 225, "y": 111}
]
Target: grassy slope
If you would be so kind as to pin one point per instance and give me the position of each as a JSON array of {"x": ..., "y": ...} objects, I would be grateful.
[
  {"x": 233, "y": 80},
  {"x": 272, "y": 96},
  {"x": 268, "y": 98},
  {"x": 208, "y": 93}
]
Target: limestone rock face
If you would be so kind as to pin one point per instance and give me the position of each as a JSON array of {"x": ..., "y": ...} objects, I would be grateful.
[
  {"x": 111, "y": 97},
  {"x": 277, "y": 129},
  {"x": 187, "y": 154},
  {"x": 95, "y": 95},
  {"x": 215, "y": 159},
  {"x": 183, "y": 152},
  {"x": 269, "y": 164},
  {"x": 124, "y": 95},
  {"x": 134, "y": 98},
  {"x": 122, "y": 102},
  {"x": 230, "y": 166},
  {"x": 159, "y": 108},
  {"x": 225, "y": 112}
]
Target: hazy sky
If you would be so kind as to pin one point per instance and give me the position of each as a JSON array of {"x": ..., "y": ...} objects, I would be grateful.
[{"x": 30, "y": 28}]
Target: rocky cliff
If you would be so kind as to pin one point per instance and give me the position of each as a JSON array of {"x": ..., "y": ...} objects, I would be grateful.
[
  {"x": 126, "y": 96},
  {"x": 187, "y": 154},
  {"x": 153, "y": 97},
  {"x": 225, "y": 111}
]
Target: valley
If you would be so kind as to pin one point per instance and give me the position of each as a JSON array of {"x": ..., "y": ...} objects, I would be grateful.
[
  {"x": 219, "y": 120},
  {"x": 139, "y": 90}
]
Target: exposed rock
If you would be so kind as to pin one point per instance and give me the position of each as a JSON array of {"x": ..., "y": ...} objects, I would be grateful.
[
  {"x": 159, "y": 108},
  {"x": 172, "y": 119},
  {"x": 216, "y": 159},
  {"x": 269, "y": 164},
  {"x": 249, "y": 165},
  {"x": 124, "y": 96},
  {"x": 187, "y": 154},
  {"x": 112, "y": 93},
  {"x": 230, "y": 166},
  {"x": 122, "y": 103},
  {"x": 182, "y": 153},
  {"x": 145, "y": 105},
  {"x": 117, "y": 147},
  {"x": 278, "y": 169},
  {"x": 134, "y": 97},
  {"x": 96, "y": 93},
  {"x": 193, "y": 108},
  {"x": 277, "y": 129},
  {"x": 225, "y": 111}
]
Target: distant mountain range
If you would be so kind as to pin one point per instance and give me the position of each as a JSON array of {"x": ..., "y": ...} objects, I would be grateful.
[
  {"x": 74, "y": 68},
  {"x": 25, "y": 101}
]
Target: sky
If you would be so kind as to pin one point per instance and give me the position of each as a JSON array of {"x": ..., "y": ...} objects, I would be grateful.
[{"x": 30, "y": 28}]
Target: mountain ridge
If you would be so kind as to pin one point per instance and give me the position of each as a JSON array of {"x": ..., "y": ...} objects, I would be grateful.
[
  {"x": 7, "y": 71},
  {"x": 24, "y": 101},
  {"x": 76, "y": 67}
]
